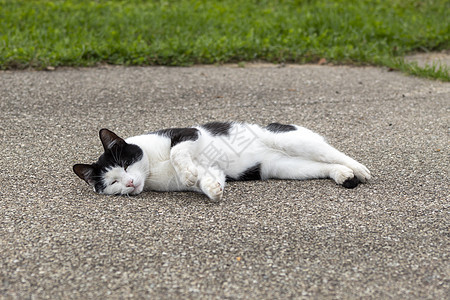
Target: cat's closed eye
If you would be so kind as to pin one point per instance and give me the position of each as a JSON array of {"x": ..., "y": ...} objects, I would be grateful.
[{"x": 115, "y": 181}]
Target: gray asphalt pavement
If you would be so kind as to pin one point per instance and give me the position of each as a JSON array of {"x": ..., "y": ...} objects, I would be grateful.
[{"x": 265, "y": 240}]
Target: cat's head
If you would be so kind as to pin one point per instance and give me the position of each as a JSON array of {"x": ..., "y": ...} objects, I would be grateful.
[{"x": 120, "y": 170}]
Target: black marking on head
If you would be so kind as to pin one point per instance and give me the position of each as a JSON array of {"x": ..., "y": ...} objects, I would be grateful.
[
  {"x": 218, "y": 128},
  {"x": 121, "y": 155},
  {"x": 351, "y": 183},
  {"x": 117, "y": 153},
  {"x": 252, "y": 173},
  {"x": 178, "y": 135},
  {"x": 277, "y": 127},
  {"x": 99, "y": 184}
]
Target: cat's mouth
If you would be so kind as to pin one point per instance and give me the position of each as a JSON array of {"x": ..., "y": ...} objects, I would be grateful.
[{"x": 135, "y": 190}]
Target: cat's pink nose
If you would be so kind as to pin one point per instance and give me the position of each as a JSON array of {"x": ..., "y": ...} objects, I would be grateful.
[{"x": 130, "y": 183}]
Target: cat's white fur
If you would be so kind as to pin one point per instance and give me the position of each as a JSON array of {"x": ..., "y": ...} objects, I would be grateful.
[{"x": 202, "y": 165}]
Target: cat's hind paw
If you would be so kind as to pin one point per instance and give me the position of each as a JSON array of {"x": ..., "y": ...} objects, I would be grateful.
[
  {"x": 361, "y": 172},
  {"x": 341, "y": 174}
]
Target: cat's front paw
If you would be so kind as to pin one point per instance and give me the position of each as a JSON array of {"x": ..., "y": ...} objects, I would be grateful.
[
  {"x": 212, "y": 189},
  {"x": 189, "y": 176}
]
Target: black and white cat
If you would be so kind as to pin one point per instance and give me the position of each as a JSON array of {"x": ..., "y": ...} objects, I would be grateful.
[{"x": 203, "y": 158}]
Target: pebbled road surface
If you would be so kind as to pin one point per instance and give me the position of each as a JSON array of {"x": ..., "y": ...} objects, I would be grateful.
[{"x": 265, "y": 240}]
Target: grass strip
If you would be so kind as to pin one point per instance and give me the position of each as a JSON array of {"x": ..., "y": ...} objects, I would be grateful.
[{"x": 44, "y": 33}]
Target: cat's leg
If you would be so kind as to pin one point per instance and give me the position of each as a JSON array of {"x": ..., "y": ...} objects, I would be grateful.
[
  {"x": 211, "y": 182},
  {"x": 306, "y": 144},
  {"x": 181, "y": 159},
  {"x": 300, "y": 169},
  {"x": 329, "y": 154}
]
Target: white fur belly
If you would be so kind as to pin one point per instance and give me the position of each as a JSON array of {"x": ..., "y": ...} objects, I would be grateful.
[{"x": 232, "y": 159}]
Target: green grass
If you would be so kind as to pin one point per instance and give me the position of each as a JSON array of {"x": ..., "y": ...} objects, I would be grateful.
[{"x": 38, "y": 34}]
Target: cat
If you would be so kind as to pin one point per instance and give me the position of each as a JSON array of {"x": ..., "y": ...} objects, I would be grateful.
[{"x": 203, "y": 158}]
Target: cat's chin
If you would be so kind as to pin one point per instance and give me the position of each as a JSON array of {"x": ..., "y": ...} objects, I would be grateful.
[{"x": 137, "y": 190}]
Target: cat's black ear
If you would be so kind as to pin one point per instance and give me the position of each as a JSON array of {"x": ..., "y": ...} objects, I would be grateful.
[
  {"x": 109, "y": 139},
  {"x": 84, "y": 172}
]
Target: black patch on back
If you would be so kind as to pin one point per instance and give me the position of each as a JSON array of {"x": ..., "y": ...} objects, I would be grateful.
[
  {"x": 277, "y": 127},
  {"x": 253, "y": 173},
  {"x": 218, "y": 128},
  {"x": 178, "y": 135},
  {"x": 351, "y": 183}
]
